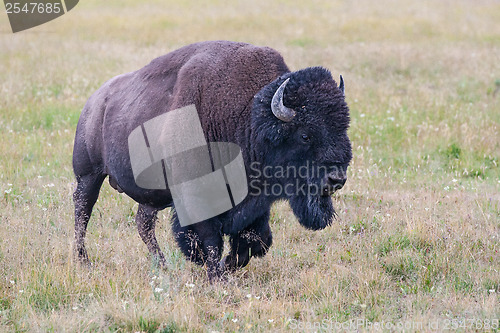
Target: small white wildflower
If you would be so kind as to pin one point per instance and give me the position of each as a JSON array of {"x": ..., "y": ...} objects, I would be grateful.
[
  {"x": 9, "y": 184},
  {"x": 225, "y": 293},
  {"x": 249, "y": 295},
  {"x": 491, "y": 291},
  {"x": 270, "y": 320},
  {"x": 235, "y": 320},
  {"x": 154, "y": 277},
  {"x": 362, "y": 115},
  {"x": 50, "y": 185},
  {"x": 39, "y": 177},
  {"x": 257, "y": 297},
  {"x": 8, "y": 191},
  {"x": 21, "y": 291},
  {"x": 75, "y": 308},
  {"x": 454, "y": 180},
  {"x": 91, "y": 294},
  {"x": 44, "y": 209},
  {"x": 190, "y": 285},
  {"x": 12, "y": 282},
  {"x": 158, "y": 290}
]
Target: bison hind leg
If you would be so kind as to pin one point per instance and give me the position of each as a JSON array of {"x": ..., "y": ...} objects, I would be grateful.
[
  {"x": 146, "y": 221},
  {"x": 85, "y": 197}
]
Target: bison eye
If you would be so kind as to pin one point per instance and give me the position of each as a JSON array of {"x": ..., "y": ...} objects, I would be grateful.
[{"x": 305, "y": 137}]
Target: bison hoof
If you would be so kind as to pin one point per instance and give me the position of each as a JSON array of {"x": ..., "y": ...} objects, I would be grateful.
[
  {"x": 217, "y": 277},
  {"x": 82, "y": 256},
  {"x": 159, "y": 261},
  {"x": 222, "y": 264},
  {"x": 85, "y": 262},
  {"x": 217, "y": 272},
  {"x": 227, "y": 264}
]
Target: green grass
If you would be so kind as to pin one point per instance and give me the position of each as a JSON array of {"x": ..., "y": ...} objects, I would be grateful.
[{"x": 417, "y": 237}]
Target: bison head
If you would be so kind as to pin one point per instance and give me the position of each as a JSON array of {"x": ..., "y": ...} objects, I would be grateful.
[{"x": 299, "y": 143}]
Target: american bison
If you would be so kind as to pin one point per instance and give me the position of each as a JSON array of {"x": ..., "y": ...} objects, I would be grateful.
[{"x": 284, "y": 122}]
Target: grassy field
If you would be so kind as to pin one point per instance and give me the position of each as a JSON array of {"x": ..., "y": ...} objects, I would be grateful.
[{"x": 416, "y": 244}]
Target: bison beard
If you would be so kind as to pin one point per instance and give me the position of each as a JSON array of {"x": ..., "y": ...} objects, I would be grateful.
[
  {"x": 313, "y": 212},
  {"x": 244, "y": 95}
]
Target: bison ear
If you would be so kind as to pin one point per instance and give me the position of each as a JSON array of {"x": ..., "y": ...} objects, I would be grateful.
[
  {"x": 341, "y": 85},
  {"x": 279, "y": 110}
]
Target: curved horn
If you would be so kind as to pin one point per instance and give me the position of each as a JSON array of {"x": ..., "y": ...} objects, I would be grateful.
[
  {"x": 279, "y": 110},
  {"x": 341, "y": 85}
]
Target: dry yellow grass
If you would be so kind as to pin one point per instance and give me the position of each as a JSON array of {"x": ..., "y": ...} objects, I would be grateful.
[{"x": 417, "y": 239}]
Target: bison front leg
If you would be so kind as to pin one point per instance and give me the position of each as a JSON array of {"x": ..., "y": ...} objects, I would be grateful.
[
  {"x": 212, "y": 249},
  {"x": 254, "y": 241},
  {"x": 201, "y": 243},
  {"x": 146, "y": 221},
  {"x": 209, "y": 246}
]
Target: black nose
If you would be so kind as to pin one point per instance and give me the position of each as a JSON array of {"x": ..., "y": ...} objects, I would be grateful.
[
  {"x": 336, "y": 182},
  {"x": 333, "y": 183}
]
